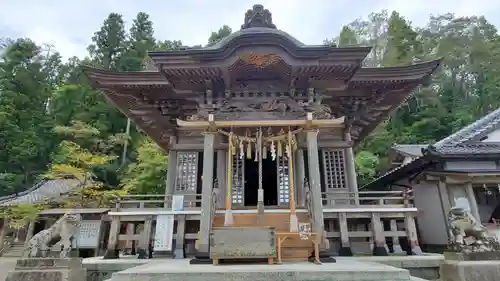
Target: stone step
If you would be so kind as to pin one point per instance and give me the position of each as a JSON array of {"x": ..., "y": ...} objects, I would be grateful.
[{"x": 346, "y": 270}]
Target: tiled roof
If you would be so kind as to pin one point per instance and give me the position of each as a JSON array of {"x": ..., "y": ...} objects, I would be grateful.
[
  {"x": 481, "y": 127},
  {"x": 463, "y": 142},
  {"x": 414, "y": 150},
  {"x": 47, "y": 189},
  {"x": 470, "y": 148}
]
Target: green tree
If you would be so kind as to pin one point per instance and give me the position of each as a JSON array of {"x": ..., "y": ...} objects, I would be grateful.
[
  {"x": 26, "y": 139},
  {"x": 366, "y": 167},
  {"x": 347, "y": 37},
  {"x": 141, "y": 40},
  {"x": 148, "y": 174},
  {"x": 21, "y": 214},
  {"x": 109, "y": 43},
  {"x": 215, "y": 37}
]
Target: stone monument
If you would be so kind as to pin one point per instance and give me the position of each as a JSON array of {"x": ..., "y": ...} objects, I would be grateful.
[
  {"x": 37, "y": 266},
  {"x": 473, "y": 254}
]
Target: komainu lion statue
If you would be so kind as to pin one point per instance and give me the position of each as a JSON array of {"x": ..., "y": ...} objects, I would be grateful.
[
  {"x": 63, "y": 231},
  {"x": 463, "y": 225}
]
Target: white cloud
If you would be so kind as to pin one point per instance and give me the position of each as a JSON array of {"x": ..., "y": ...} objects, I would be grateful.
[{"x": 69, "y": 25}]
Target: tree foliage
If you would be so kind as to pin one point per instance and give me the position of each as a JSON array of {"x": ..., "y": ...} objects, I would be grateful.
[
  {"x": 53, "y": 123},
  {"x": 148, "y": 174},
  {"x": 20, "y": 215}
]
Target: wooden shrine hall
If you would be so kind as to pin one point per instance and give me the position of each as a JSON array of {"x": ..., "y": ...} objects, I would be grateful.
[{"x": 259, "y": 130}]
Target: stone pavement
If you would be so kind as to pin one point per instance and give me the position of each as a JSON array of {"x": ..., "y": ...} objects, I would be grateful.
[{"x": 6, "y": 265}]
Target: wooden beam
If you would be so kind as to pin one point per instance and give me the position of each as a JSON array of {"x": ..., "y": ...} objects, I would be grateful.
[
  {"x": 326, "y": 123},
  {"x": 330, "y": 144}
]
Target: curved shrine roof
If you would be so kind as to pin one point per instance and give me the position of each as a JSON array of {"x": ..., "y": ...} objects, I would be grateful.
[{"x": 259, "y": 61}]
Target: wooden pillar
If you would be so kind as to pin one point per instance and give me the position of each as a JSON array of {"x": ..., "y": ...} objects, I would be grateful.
[
  {"x": 445, "y": 204},
  {"x": 99, "y": 237},
  {"x": 221, "y": 178},
  {"x": 396, "y": 247},
  {"x": 472, "y": 202},
  {"x": 112, "y": 252},
  {"x": 130, "y": 244},
  {"x": 294, "y": 222},
  {"x": 411, "y": 233},
  {"x": 379, "y": 245},
  {"x": 345, "y": 247},
  {"x": 206, "y": 201},
  {"x": 171, "y": 173},
  {"x": 144, "y": 248},
  {"x": 352, "y": 181},
  {"x": 299, "y": 178},
  {"x": 315, "y": 184},
  {"x": 179, "y": 252}
]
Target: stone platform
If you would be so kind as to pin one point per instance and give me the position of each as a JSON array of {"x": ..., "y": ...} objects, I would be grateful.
[
  {"x": 181, "y": 270},
  {"x": 470, "y": 270},
  {"x": 471, "y": 266},
  {"x": 47, "y": 269},
  {"x": 426, "y": 266}
]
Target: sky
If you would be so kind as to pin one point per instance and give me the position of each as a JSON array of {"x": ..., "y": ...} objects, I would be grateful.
[{"x": 69, "y": 25}]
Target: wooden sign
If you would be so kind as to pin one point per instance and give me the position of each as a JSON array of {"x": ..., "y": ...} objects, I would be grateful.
[
  {"x": 88, "y": 235},
  {"x": 164, "y": 233}
]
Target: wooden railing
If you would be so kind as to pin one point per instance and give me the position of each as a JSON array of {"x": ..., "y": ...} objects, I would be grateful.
[
  {"x": 329, "y": 199},
  {"x": 368, "y": 198},
  {"x": 142, "y": 201}
]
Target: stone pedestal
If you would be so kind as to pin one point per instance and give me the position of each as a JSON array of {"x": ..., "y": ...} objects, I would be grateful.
[
  {"x": 472, "y": 266},
  {"x": 48, "y": 269},
  {"x": 470, "y": 270}
]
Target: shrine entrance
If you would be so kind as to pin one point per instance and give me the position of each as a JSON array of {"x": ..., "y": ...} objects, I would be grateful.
[{"x": 269, "y": 181}]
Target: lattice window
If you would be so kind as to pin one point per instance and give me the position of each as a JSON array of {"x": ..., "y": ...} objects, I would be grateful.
[
  {"x": 334, "y": 168},
  {"x": 237, "y": 190},
  {"x": 283, "y": 180},
  {"x": 187, "y": 172}
]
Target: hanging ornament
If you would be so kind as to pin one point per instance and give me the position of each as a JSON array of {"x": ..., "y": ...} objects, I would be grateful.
[
  {"x": 256, "y": 158},
  {"x": 258, "y": 146},
  {"x": 294, "y": 143},
  {"x": 242, "y": 149},
  {"x": 288, "y": 151},
  {"x": 249, "y": 150},
  {"x": 232, "y": 144},
  {"x": 273, "y": 151}
]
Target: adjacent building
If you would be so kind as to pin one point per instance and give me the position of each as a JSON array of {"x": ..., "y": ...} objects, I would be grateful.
[{"x": 462, "y": 169}]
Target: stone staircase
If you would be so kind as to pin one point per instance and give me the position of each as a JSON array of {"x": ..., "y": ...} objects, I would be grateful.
[
  {"x": 292, "y": 249},
  {"x": 15, "y": 251}
]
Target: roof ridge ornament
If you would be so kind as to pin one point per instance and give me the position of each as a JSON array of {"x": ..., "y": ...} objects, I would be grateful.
[{"x": 258, "y": 17}]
